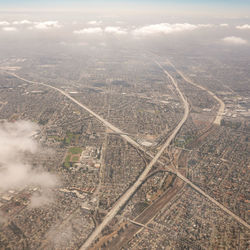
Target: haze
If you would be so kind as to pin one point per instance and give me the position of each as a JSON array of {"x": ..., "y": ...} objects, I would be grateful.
[{"x": 124, "y": 124}]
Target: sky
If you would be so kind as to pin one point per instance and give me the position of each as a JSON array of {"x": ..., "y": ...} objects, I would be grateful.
[
  {"x": 142, "y": 2},
  {"x": 202, "y": 6}
]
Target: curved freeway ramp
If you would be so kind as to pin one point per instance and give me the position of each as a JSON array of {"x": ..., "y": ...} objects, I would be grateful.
[
  {"x": 124, "y": 198},
  {"x": 221, "y": 110}
]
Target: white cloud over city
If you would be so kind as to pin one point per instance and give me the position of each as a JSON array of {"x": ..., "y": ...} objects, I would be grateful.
[
  {"x": 95, "y": 22},
  {"x": 4, "y": 23},
  {"x": 46, "y": 25},
  {"x": 30, "y": 25},
  {"x": 115, "y": 30},
  {"x": 167, "y": 28},
  {"x": 234, "y": 40},
  {"x": 153, "y": 29},
  {"x": 96, "y": 30},
  {"x": 15, "y": 171},
  {"x": 243, "y": 27},
  {"x": 9, "y": 28}
]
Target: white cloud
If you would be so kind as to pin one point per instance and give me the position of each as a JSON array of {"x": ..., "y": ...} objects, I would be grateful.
[
  {"x": 224, "y": 25},
  {"x": 115, "y": 30},
  {"x": 120, "y": 22},
  {"x": 94, "y": 22},
  {"x": 96, "y": 30},
  {"x": 46, "y": 25},
  {"x": 162, "y": 28},
  {"x": 234, "y": 40},
  {"x": 9, "y": 29},
  {"x": 22, "y": 22},
  {"x": 205, "y": 25},
  {"x": 16, "y": 142},
  {"x": 243, "y": 27},
  {"x": 167, "y": 28},
  {"x": 4, "y": 23}
]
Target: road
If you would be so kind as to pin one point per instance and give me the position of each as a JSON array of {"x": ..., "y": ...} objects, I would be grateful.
[
  {"x": 217, "y": 119},
  {"x": 221, "y": 110},
  {"x": 237, "y": 218},
  {"x": 123, "y": 199},
  {"x": 145, "y": 217},
  {"x": 103, "y": 121}
]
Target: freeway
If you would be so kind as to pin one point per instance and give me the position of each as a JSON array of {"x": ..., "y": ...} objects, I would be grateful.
[
  {"x": 144, "y": 218},
  {"x": 126, "y": 196},
  {"x": 217, "y": 121},
  {"x": 226, "y": 210},
  {"x": 221, "y": 110},
  {"x": 98, "y": 117},
  {"x": 123, "y": 199},
  {"x": 103, "y": 121}
]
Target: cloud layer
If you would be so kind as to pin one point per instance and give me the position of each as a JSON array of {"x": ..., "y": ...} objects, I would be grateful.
[
  {"x": 46, "y": 25},
  {"x": 30, "y": 25},
  {"x": 97, "y": 27},
  {"x": 243, "y": 27},
  {"x": 161, "y": 28},
  {"x": 16, "y": 141},
  {"x": 167, "y": 28},
  {"x": 96, "y": 30},
  {"x": 234, "y": 40},
  {"x": 95, "y": 22},
  {"x": 115, "y": 30},
  {"x": 4, "y": 23},
  {"x": 9, "y": 28}
]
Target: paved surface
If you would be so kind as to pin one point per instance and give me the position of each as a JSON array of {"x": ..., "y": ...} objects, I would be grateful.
[
  {"x": 217, "y": 120},
  {"x": 221, "y": 110},
  {"x": 123, "y": 199},
  {"x": 145, "y": 217},
  {"x": 103, "y": 121}
]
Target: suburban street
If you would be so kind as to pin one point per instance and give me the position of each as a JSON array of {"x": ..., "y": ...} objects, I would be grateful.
[
  {"x": 125, "y": 197},
  {"x": 221, "y": 109},
  {"x": 124, "y": 125}
]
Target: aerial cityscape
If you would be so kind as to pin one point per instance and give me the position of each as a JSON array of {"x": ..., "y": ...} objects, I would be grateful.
[{"x": 124, "y": 125}]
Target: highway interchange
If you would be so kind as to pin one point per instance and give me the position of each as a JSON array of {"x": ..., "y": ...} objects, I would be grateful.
[{"x": 129, "y": 193}]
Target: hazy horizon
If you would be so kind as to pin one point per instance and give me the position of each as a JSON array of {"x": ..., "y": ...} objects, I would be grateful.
[
  {"x": 231, "y": 8},
  {"x": 114, "y": 113}
]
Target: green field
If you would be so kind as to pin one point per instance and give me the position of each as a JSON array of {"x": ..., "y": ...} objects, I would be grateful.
[
  {"x": 71, "y": 138},
  {"x": 75, "y": 150},
  {"x": 73, "y": 156},
  {"x": 75, "y": 159}
]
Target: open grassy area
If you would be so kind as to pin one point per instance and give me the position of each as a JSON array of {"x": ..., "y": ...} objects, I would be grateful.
[
  {"x": 75, "y": 159},
  {"x": 73, "y": 156},
  {"x": 70, "y": 138},
  {"x": 75, "y": 150}
]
